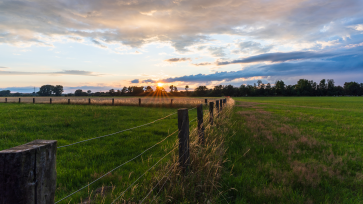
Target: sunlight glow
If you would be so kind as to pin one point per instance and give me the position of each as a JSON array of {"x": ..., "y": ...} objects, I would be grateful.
[{"x": 160, "y": 84}]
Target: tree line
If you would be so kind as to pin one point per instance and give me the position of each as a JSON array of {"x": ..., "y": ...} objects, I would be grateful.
[{"x": 303, "y": 87}]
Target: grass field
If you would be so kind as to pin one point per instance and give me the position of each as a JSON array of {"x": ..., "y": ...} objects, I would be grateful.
[
  {"x": 82, "y": 163},
  {"x": 295, "y": 150}
]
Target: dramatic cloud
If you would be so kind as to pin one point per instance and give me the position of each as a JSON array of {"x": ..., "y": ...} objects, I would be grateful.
[
  {"x": 180, "y": 23},
  {"x": 177, "y": 60},
  {"x": 135, "y": 81},
  {"x": 250, "y": 47},
  {"x": 149, "y": 81},
  {"x": 64, "y": 72}
]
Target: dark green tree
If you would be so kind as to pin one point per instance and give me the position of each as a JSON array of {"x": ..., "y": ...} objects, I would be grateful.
[{"x": 46, "y": 90}]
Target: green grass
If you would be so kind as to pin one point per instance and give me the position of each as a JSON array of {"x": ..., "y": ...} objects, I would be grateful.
[
  {"x": 295, "y": 150},
  {"x": 82, "y": 163}
]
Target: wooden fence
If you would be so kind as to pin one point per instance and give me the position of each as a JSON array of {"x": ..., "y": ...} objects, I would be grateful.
[{"x": 28, "y": 172}]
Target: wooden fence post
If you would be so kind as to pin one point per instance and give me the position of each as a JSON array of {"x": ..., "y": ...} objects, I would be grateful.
[
  {"x": 69, "y": 101},
  {"x": 211, "y": 106},
  {"x": 139, "y": 101},
  {"x": 171, "y": 102},
  {"x": 28, "y": 173},
  {"x": 50, "y": 101},
  {"x": 6, "y": 100},
  {"x": 183, "y": 126},
  {"x": 33, "y": 100},
  {"x": 206, "y": 102},
  {"x": 113, "y": 101},
  {"x": 217, "y": 107},
  {"x": 19, "y": 100},
  {"x": 89, "y": 100},
  {"x": 221, "y": 104},
  {"x": 200, "y": 124}
]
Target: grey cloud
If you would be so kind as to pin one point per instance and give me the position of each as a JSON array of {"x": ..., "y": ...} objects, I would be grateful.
[
  {"x": 251, "y": 47},
  {"x": 64, "y": 72},
  {"x": 182, "y": 23},
  {"x": 135, "y": 81},
  {"x": 98, "y": 43},
  {"x": 3, "y": 67},
  {"x": 203, "y": 64},
  {"x": 217, "y": 51},
  {"x": 177, "y": 60},
  {"x": 149, "y": 81}
]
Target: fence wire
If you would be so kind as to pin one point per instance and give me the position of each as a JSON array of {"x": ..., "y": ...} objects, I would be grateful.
[
  {"x": 143, "y": 175},
  {"x": 117, "y": 132},
  {"x": 117, "y": 167}
]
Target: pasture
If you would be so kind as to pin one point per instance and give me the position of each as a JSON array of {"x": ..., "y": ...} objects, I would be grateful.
[
  {"x": 82, "y": 163},
  {"x": 295, "y": 150}
]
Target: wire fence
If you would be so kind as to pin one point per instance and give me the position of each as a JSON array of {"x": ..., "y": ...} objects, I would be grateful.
[{"x": 204, "y": 116}]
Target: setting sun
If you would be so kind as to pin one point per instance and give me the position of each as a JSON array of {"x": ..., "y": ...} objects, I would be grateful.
[{"x": 160, "y": 84}]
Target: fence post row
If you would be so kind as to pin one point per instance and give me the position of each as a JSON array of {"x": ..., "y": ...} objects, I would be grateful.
[
  {"x": 28, "y": 173},
  {"x": 217, "y": 107},
  {"x": 206, "y": 102},
  {"x": 69, "y": 101},
  {"x": 221, "y": 104},
  {"x": 19, "y": 100},
  {"x": 183, "y": 126},
  {"x": 211, "y": 106},
  {"x": 113, "y": 101},
  {"x": 33, "y": 100},
  {"x": 89, "y": 101},
  {"x": 6, "y": 100},
  {"x": 200, "y": 124},
  {"x": 50, "y": 101}
]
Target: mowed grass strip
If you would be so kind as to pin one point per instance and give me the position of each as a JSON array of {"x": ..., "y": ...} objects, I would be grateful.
[
  {"x": 82, "y": 163},
  {"x": 284, "y": 153}
]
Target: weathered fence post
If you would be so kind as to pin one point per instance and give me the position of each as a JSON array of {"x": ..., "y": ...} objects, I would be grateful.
[
  {"x": 69, "y": 101},
  {"x": 139, "y": 101},
  {"x": 221, "y": 104},
  {"x": 200, "y": 124},
  {"x": 6, "y": 100},
  {"x": 89, "y": 100},
  {"x": 19, "y": 100},
  {"x": 217, "y": 107},
  {"x": 206, "y": 102},
  {"x": 211, "y": 106},
  {"x": 33, "y": 100},
  {"x": 50, "y": 101},
  {"x": 113, "y": 101},
  {"x": 28, "y": 173},
  {"x": 183, "y": 126}
]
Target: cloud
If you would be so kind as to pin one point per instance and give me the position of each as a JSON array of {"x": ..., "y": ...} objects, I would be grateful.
[
  {"x": 251, "y": 47},
  {"x": 171, "y": 60},
  {"x": 64, "y": 72},
  {"x": 280, "y": 57},
  {"x": 217, "y": 51},
  {"x": 149, "y": 81},
  {"x": 135, "y": 81},
  {"x": 98, "y": 44},
  {"x": 3, "y": 67},
  {"x": 340, "y": 63},
  {"x": 203, "y": 64},
  {"x": 180, "y": 23}
]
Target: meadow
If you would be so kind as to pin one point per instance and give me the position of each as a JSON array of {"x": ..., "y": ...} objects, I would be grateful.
[
  {"x": 295, "y": 150},
  {"x": 82, "y": 163}
]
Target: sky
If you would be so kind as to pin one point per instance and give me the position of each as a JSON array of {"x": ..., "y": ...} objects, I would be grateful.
[{"x": 98, "y": 45}]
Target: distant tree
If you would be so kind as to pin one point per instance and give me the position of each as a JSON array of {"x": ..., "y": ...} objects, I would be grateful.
[
  {"x": 149, "y": 89},
  {"x": 175, "y": 89},
  {"x": 201, "y": 90},
  {"x": 124, "y": 90},
  {"x": 58, "y": 90},
  {"x": 78, "y": 92},
  {"x": 186, "y": 89},
  {"x": 228, "y": 90},
  {"x": 280, "y": 87},
  {"x": 129, "y": 90},
  {"x": 351, "y": 88},
  {"x": 217, "y": 91},
  {"x": 111, "y": 92},
  {"x": 46, "y": 90},
  {"x": 5, "y": 93},
  {"x": 171, "y": 88},
  {"x": 89, "y": 91},
  {"x": 137, "y": 90}
]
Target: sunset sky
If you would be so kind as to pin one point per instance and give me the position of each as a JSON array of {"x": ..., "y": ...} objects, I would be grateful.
[{"x": 99, "y": 45}]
